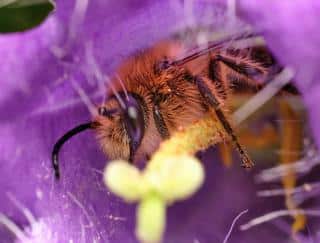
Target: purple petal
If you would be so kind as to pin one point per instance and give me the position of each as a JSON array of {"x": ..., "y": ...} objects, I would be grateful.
[
  {"x": 41, "y": 75},
  {"x": 291, "y": 31}
]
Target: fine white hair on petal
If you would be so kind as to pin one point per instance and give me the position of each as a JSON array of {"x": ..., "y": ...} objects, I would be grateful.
[
  {"x": 85, "y": 212},
  {"x": 84, "y": 97},
  {"x": 63, "y": 105},
  {"x": 233, "y": 224},
  {"x": 36, "y": 232},
  {"x": 83, "y": 232},
  {"x": 40, "y": 232},
  {"x": 19, "y": 233},
  {"x": 102, "y": 79},
  {"x": 91, "y": 224},
  {"x": 115, "y": 92},
  {"x": 116, "y": 218},
  {"x": 77, "y": 18},
  {"x": 92, "y": 69},
  {"x": 26, "y": 212}
]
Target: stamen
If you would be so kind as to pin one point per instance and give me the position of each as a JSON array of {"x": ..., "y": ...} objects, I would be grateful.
[
  {"x": 301, "y": 167},
  {"x": 26, "y": 212},
  {"x": 264, "y": 95},
  {"x": 307, "y": 187},
  {"x": 13, "y": 228},
  {"x": 277, "y": 214}
]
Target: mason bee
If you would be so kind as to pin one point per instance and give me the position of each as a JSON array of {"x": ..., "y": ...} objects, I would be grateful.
[{"x": 156, "y": 92}]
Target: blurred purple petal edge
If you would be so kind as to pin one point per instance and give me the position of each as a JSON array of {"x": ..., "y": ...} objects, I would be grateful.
[{"x": 39, "y": 101}]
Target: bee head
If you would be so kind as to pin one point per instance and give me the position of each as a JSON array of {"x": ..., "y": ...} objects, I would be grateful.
[{"x": 121, "y": 125}]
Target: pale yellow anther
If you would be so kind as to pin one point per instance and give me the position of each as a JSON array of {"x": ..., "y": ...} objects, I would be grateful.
[
  {"x": 124, "y": 180},
  {"x": 172, "y": 174},
  {"x": 176, "y": 177},
  {"x": 151, "y": 219}
]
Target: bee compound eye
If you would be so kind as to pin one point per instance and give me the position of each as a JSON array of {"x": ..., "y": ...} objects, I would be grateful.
[
  {"x": 134, "y": 121},
  {"x": 133, "y": 112}
]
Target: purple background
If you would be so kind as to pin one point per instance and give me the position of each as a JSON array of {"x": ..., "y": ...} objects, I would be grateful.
[{"x": 38, "y": 103}]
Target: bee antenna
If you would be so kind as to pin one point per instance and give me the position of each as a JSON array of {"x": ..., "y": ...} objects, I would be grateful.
[{"x": 62, "y": 140}]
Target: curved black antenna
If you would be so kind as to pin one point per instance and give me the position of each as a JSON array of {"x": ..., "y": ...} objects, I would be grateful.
[{"x": 62, "y": 140}]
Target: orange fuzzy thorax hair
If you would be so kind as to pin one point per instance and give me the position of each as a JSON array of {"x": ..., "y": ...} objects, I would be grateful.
[{"x": 172, "y": 90}]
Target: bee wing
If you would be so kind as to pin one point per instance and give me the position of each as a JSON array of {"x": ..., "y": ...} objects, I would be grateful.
[{"x": 211, "y": 47}]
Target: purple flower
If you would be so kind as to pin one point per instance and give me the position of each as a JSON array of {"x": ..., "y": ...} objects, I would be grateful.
[
  {"x": 290, "y": 29},
  {"x": 47, "y": 75}
]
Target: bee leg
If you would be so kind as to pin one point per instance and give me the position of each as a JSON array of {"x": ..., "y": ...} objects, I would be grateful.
[
  {"x": 242, "y": 66},
  {"x": 214, "y": 103},
  {"x": 243, "y": 70},
  {"x": 236, "y": 70},
  {"x": 214, "y": 74}
]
